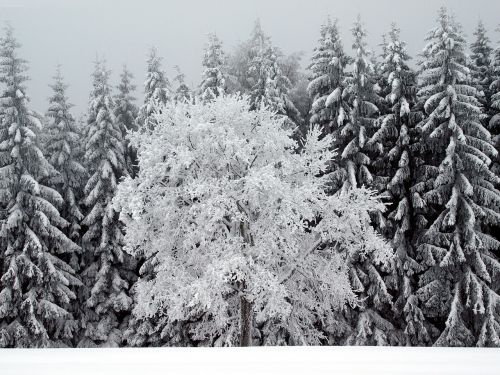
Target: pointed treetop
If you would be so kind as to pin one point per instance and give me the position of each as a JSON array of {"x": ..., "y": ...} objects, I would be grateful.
[
  {"x": 126, "y": 86},
  {"x": 58, "y": 80},
  {"x": 480, "y": 28},
  {"x": 154, "y": 60},
  {"x": 482, "y": 41},
  {"x": 101, "y": 77},
  {"x": 11, "y": 66},
  {"x": 59, "y": 88},
  {"x": 395, "y": 32},
  {"x": 359, "y": 34},
  {"x": 179, "y": 77},
  {"x": 259, "y": 38}
]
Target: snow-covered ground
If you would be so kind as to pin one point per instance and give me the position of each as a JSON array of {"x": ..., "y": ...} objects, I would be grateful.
[{"x": 268, "y": 360}]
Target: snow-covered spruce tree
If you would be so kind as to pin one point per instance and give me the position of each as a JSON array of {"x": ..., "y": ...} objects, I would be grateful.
[
  {"x": 238, "y": 80},
  {"x": 383, "y": 88},
  {"x": 36, "y": 281},
  {"x": 397, "y": 134},
  {"x": 157, "y": 90},
  {"x": 213, "y": 81},
  {"x": 328, "y": 77},
  {"x": 182, "y": 91},
  {"x": 494, "y": 120},
  {"x": 63, "y": 138},
  {"x": 291, "y": 67},
  {"x": 107, "y": 274},
  {"x": 481, "y": 67},
  {"x": 460, "y": 259},
  {"x": 125, "y": 114},
  {"x": 225, "y": 206},
  {"x": 329, "y": 111},
  {"x": 360, "y": 92},
  {"x": 368, "y": 321},
  {"x": 268, "y": 86}
]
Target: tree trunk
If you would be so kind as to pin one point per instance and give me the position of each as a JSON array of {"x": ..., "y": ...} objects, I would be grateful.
[
  {"x": 245, "y": 322},
  {"x": 246, "y": 313}
]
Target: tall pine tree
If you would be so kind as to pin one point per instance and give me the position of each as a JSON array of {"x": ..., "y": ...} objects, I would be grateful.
[
  {"x": 214, "y": 63},
  {"x": 481, "y": 69},
  {"x": 494, "y": 120},
  {"x": 182, "y": 91},
  {"x": 63, "y": 139},
  {"x": 360, "y": 92},
  {"x": 157, "y": 90},
  {"x": 267, "y": 85},
  {"x": 108, "y": 269},
  {"x": 397, "y": 135},
  {"x": 36, "y": 280},
  {"x": 327, "y": 82},
  {"x": 125, "y": 114},
  {"x": 459, "y": 257},
  {"x": 368, "y": 321}
]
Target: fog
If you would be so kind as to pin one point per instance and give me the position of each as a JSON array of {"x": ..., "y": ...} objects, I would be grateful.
[{"x": 74, "y": 32}]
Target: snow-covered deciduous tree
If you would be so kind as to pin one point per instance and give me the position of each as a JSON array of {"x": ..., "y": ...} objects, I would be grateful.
[
  {"x": 62, "y": 140},
  {"x": 125, "y": 114},
  {"x": 458, "y": 190},
  {"x": 36, "y": 280},
  {"x": 247, "y": 246},
  {"x": 107, "y": 267},
  {"x": 327, "y": 82},
  {"x": 213, "y": 81},
  {"x": 397, "y": 134},
  {"x": 157, "y": 90}
]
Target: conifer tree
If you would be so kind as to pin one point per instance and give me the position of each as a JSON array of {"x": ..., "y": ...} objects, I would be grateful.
[
  {"x": 370, "y": 320},
  {"x": 157, "y": 90},
  {"x": 107, "y": 274},
  {"x": 214, "y": 63},
  {"x": 457, "y": 189},
  {"x": 182, "y": 91},
  {"x": 328, "y": 78},
  {"x": 494, "y": 120},
  {"x": 36, "y": 280},
  {"x": 267, "y": 85},
  {"x": 125, "y": 115},
  {"x": 381, "y": 85},
  {"x": 61, "y": 147},
  {"x": 397, "y": 134},
  {"x": 481, "y": 70},
  {"x": 360, "y": 92}
]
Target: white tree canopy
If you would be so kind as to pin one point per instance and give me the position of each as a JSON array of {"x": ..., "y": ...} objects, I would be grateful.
[{"x": 233, "y": 215}]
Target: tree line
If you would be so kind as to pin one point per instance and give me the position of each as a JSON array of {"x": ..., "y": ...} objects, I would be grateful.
[{"x": 243, "y": 211}]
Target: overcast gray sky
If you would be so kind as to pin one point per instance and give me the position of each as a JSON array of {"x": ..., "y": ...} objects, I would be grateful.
[{"x": 72, "y": 32}]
